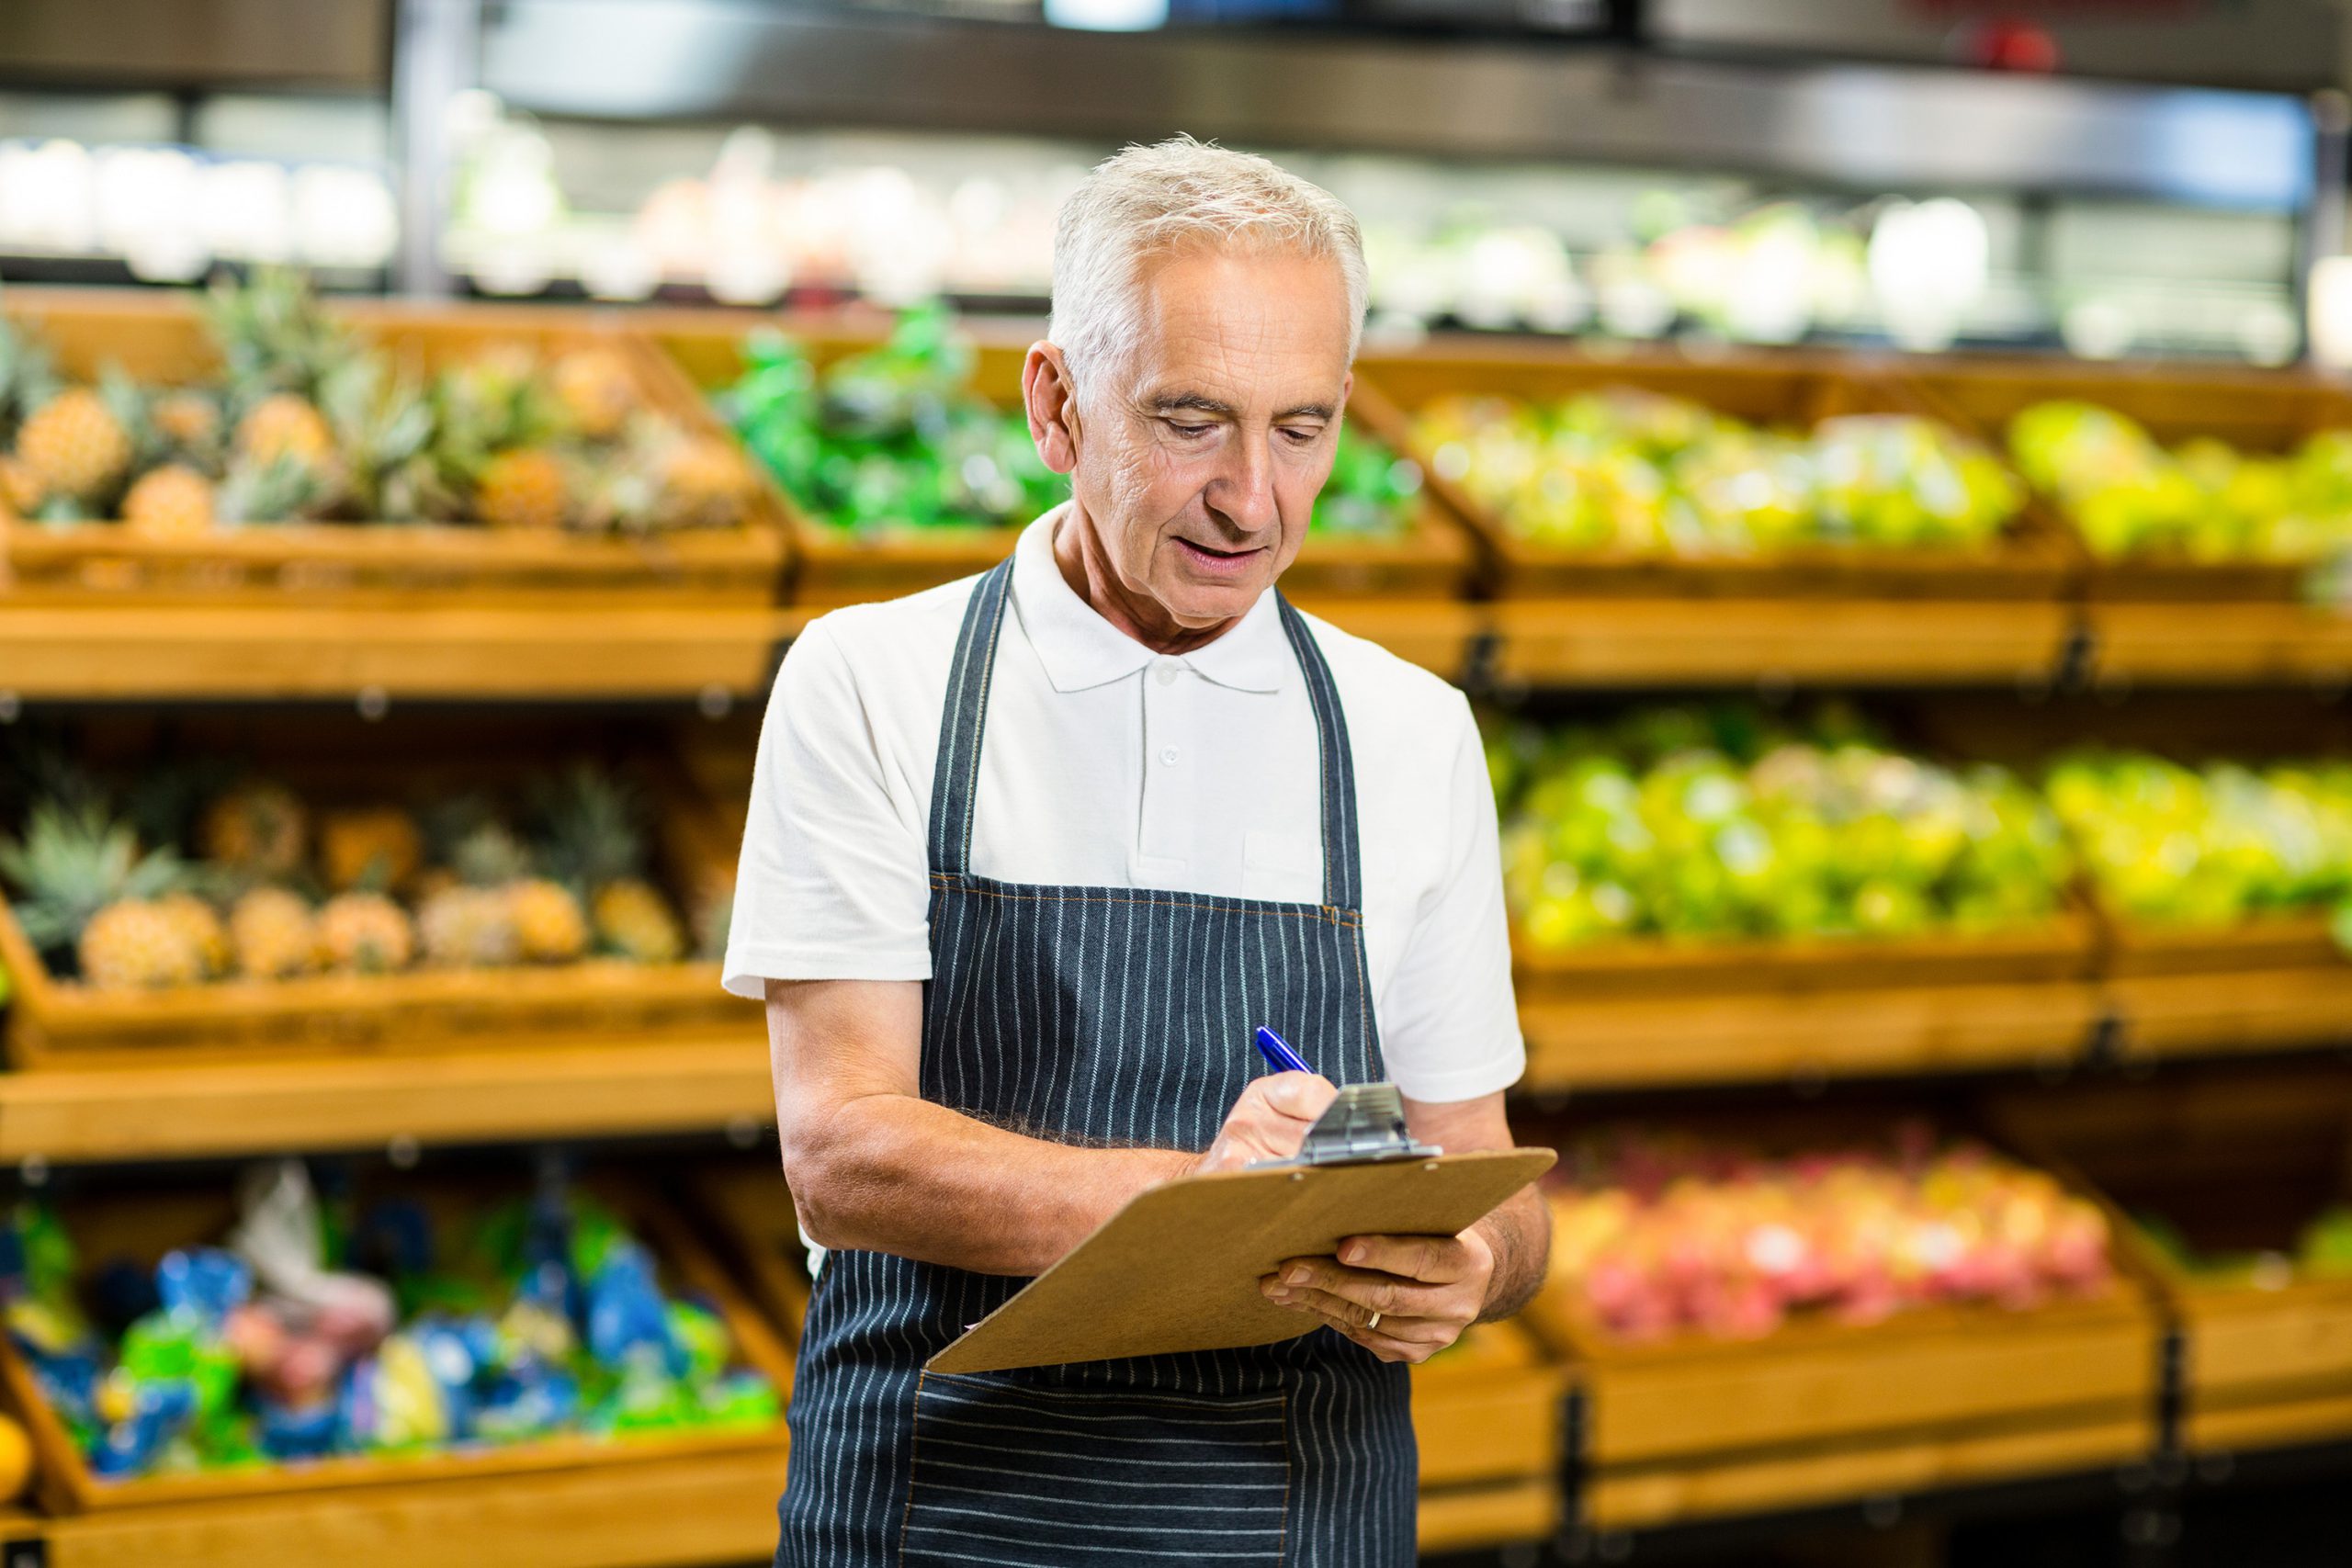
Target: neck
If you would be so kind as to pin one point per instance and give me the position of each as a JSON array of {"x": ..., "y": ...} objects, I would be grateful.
[{"x": 1088, "y": 569}]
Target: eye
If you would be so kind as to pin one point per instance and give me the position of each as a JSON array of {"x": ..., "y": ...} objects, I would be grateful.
[
  {"x": 1301, "y": 437},
  {"x": 1190, "y": 432}
]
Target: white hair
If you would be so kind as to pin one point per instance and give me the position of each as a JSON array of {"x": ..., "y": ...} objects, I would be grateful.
[{"x": 1149, "y": 202}]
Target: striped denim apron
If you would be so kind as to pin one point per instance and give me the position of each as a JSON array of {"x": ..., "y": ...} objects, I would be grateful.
[{"x": 1117, "y": 1017}]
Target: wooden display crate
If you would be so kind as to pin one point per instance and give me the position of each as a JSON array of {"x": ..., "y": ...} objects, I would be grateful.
[
  {"x": 160, "y": 338},
  {"x": 1820, "y": 1410},
  {"x": 833, "y": 567},
  {"x": 62, "y": 1023},
  {"x": 2238, "y": 1162},
  {"x": 2270, "y": 983},
  {"x": 2028, "y": 562},
  {"x": 2255, "y": 411},
  {"x": 141, "y": 1225},
  {"x": 1661, "y": 1013},
  {"x": 1487, "y": 1411}
]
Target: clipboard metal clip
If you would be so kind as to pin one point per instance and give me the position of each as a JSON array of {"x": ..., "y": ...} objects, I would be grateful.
[{"x": 1365, "y": 1124}]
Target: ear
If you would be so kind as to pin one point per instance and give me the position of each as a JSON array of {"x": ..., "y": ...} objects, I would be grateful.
[{"x": 1052, "y": 406}]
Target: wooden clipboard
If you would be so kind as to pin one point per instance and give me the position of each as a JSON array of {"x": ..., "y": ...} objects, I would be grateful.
[{"x": 1178, "y": 1267}]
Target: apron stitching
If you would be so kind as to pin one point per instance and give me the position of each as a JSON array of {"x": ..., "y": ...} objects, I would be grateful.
[
  {"x": 1327, "y": 913},
  {"x": 914, "y": 1445}
]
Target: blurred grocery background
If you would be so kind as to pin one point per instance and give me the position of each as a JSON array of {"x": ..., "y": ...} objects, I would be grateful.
[{"x": 1882, "y": 467}]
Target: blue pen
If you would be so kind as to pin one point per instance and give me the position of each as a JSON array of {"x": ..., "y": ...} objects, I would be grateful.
[{"x": 1278, "y": 1054}]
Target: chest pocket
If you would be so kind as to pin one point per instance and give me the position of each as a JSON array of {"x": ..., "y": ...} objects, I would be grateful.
[
  {"x": 1007, "y": 1471},
  {"x": 1284, "y": 868}
]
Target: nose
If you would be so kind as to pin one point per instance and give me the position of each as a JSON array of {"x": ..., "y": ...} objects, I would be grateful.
[{"x": 1242, "y": 492}]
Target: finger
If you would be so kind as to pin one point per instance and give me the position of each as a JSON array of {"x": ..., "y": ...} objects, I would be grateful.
[
  {"x": 1300, "y": 1096},
  {"x": 1435, "y": 1259},
  {"x": 1375, "y": 1292},
  {"x": 1404, "y": 1324},
  {"x": 1386, "y": 1346}
]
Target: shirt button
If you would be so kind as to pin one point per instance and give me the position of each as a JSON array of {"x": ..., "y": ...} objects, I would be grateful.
[
  {"x": 1165, "y": 675},
  {"x": 1168, "y": 755}
]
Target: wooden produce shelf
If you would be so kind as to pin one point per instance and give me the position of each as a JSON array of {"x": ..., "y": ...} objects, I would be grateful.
[
  {"x": 1488, "y": 1410},
  {"x": 2158, "y": 644},
  {"x": 1618, "y": 642},
  {"x": 654, "y": 1512},
  {"x": 1439, "y": 634},
  {"x": 108, "y": 653},
  {"x": 476, "y": 1095},
  {"x": 2270, "y": 984},
  {"x": 2237, "y": 1162},
  {"x": 1466, "y": 1519}
]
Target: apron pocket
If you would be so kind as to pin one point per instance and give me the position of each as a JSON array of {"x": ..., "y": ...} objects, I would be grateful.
[{"x": 1005, "y": 1473}]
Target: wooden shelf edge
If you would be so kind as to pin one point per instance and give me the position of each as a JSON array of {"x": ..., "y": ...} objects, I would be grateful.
[
  {"x": 464, "y": 1096},
  {"x": 671, "y": 1513},
  {"x": 244, "y": 651}
]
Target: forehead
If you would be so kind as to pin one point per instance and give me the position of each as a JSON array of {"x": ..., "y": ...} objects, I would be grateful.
[{"x": 1248, "y": 325}]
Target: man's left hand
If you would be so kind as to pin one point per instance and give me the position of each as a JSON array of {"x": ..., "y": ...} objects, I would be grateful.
[{"x": 1404, "y": 1298}]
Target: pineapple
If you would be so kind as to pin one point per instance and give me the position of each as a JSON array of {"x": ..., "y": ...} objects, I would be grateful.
[
  {"x": 274, "y": 337},
  {"x": 76, "y": 864},
  {"x": 201, "y": 928},
  {"x": 704, "y": 481},
  {"x": 274, "y": 934},
  {"x": 468, "y": 928},
  {"x": 385, "y": 426},
  {"x": 375, "y": 849},
  {"x": 548, "y": 926},
  {"x": 525, "y": 488},
  {"x": 133, "y": 945},
  {"x": 75, "y": 446},
  {"x": 596, "y": 392},
  {"x": 366, "y": 933},
  {"x": 258, "y": 827},
  {"x": 284, "y": 425},
  {"x": 467, "y": 919},
  {"x": 635, "y": 921},
  {"x": 189, "y": 421},
  {"x": 171, "y": 502},
  {"x": 21, "y": 491}
]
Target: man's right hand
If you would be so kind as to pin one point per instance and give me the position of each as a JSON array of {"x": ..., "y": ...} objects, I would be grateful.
[{"x": 1269, "y": 1121}]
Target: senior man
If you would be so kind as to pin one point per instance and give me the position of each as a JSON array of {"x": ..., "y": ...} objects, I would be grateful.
[{"x": 1029, "y": 858}]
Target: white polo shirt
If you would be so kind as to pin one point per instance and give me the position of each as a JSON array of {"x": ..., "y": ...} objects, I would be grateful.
[{"x": 1107, "y": 764}]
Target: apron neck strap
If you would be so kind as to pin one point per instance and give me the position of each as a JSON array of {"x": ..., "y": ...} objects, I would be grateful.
[{"x": 956, "y": 776}]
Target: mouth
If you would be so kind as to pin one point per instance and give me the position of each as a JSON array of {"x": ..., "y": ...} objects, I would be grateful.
[{"x": 1215, "y": 562}]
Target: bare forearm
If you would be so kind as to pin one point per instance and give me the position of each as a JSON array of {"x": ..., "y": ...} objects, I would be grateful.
[
  {"x": 893, "y": 1173},
  {"x": 1520, "y": 1233}
]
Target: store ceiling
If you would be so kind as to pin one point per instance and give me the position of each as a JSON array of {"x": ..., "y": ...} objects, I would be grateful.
[{"x": 197, "y": 44}]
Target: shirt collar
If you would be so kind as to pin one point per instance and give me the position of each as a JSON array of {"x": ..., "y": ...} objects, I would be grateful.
[{"x": 1078, "y": 649}]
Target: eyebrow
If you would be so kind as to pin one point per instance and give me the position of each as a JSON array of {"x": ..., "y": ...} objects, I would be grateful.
[{"x": 1201, "y": 402}]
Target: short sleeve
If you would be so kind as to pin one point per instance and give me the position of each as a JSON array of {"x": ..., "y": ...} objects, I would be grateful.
[
  {"x": 1450, "y": 1025},
  {"x": 831, "y": 884}
]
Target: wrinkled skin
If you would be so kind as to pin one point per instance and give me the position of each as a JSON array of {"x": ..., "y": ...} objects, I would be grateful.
[{"x": 1194, "y": 461}]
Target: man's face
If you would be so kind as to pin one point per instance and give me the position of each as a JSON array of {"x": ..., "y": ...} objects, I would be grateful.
[{"x": 1199, "y": 458}]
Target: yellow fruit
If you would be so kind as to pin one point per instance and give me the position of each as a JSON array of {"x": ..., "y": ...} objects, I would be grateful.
[
  {"x": 705, "y": 481},
  {"x": 527, "y": 488},
  {"x": 596, "y": 390},
  {"x": 16, "y": 1460},
  {"x": 549, "y": 925},
  {"x": 377, "y": 846},
  {"x": 201, "y": 928},
  {"x": 21, "y": 492},
  {"x": 366, "y": 933},
  {"x": 283, "y": 425},
  {"x": 186, "y": 419},
  {"x": 636, "y": 921},
  {"x": 169, "y": 503},
  {"x": 274, "y": 934},
  {"x": 73, "y": 444},
  {"x": 463, "y": 927},
  {"x": 135, "y": 945},
  {"x": 256, "y": 827}
]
